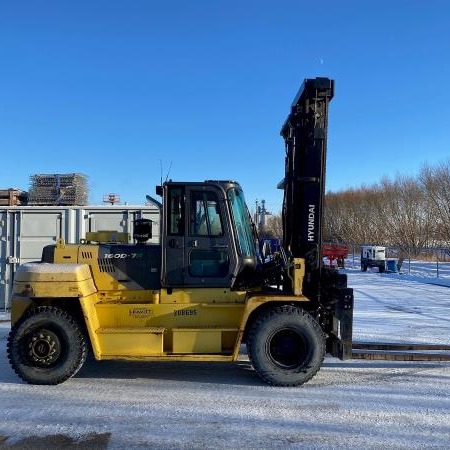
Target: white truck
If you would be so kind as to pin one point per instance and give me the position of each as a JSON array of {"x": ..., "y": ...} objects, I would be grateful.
[{"x": 373, "y": 256}]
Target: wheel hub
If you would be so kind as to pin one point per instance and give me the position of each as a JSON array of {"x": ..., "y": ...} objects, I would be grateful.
[
  {"x": 44, "y": 347},
  {"x": 287, "y": 348}
]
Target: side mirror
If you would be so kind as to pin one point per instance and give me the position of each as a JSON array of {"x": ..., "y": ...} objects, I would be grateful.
[{"x": 142, "y": 230}]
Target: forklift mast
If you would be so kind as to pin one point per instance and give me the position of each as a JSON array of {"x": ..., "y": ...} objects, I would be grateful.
[{"x": 305, "y": 136}]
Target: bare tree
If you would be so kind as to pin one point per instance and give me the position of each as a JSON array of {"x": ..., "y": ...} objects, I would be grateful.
[
  {"x": 436, "y": 182},
  {"x": 274, "y": 227},
  {"x": 395, "y": 213},
  {"x": 407, "y": 217},
  {"x": 354, "y": 216}
]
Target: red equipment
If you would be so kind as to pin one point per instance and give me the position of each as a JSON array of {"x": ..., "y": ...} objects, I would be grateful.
[{"x": 335, "y": 252}]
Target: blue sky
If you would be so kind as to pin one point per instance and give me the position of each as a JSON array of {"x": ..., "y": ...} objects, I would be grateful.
[{"x": 117, "y": 89}]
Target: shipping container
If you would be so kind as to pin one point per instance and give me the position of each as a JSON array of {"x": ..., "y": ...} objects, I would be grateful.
[{"x": 25, "y": 230}]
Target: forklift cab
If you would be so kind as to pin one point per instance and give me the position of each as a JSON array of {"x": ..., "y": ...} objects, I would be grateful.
[{"x": 208, "y": 238}]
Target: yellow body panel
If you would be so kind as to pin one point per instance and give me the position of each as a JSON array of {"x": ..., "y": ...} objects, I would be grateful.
[
  {"x": 18, "y": 307},
  {"x": 50, "y": 280},
  {"x": 299, "y": 274},
  {"x": 178, "y": 324},
  {"x": 130, "y": 341},
  {"x": 202, "y": 295},
  {"x": 108, "y": 236},
  {"x": 187, "y": 327},
  {"x": 197, "y": 340}
]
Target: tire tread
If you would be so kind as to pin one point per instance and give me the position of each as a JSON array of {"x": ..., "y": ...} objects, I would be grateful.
[
  {"x": 272, "y": 376},
  {"x": 58, "y": 314}
]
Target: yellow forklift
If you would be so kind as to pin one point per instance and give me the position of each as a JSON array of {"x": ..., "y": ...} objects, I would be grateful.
[{"x": 206, "y": 289}]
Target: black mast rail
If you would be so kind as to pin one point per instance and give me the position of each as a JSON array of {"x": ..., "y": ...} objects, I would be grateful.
[{"x": 305, "y": 135}]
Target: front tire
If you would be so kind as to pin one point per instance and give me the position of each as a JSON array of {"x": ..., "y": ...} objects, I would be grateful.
[
  {"x": 46, "y": 346},
  {"x": 286, "y": 346}
]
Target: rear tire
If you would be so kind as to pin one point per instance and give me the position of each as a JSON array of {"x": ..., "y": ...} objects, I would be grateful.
[
  {"x": 46, "y": 346},
  {"x": 286, "y": 346}
]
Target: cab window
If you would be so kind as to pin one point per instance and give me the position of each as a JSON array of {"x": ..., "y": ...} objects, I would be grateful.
[
  {"x": 176, "y": 211},
  {"x": 205, "y": 214},
  {"x": 208, "y": 263}
]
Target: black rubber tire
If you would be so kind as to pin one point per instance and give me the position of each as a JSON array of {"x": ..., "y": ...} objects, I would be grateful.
[
  {"x": 286, "y": 346},
  {"x": 364, "y": 268},
  {"x": 46, "y": 346}
]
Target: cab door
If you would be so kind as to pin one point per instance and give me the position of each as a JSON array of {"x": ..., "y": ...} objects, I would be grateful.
[{"x": 209, "y": 257}]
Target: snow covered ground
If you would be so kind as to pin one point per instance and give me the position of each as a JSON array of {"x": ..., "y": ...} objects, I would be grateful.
[
  {"x": 412, "y": 306},
  {"x": 353, "y": 404}
]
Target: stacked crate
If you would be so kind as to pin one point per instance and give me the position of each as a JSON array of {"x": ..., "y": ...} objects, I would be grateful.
[
  {"x": 13, "y": 197},
  {"x": 58, "y": 189}
]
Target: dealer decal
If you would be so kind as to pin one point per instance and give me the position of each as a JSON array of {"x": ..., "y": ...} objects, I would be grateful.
[{"x": 138, "y": 313}]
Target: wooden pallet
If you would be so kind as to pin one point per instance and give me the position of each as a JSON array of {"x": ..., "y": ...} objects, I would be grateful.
[{"x": 13, "y": 197}]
